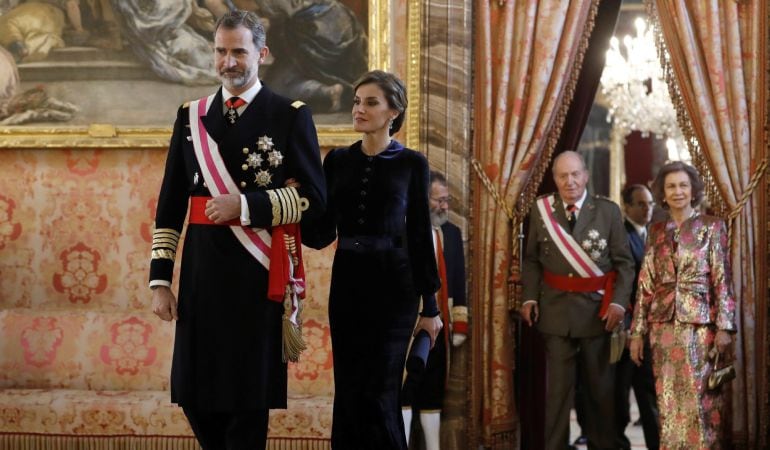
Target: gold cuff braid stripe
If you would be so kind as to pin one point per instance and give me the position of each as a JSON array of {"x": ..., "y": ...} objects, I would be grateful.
[
  {"x": 163, "y": 253},
  {"x": 276, "y": 204},
  {"x": 167, "y": 231},
  {"x": 286, "y": 205},
  {"x": 460, "y": 313}
]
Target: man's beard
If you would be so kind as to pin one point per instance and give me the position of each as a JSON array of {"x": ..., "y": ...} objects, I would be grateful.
[
  {"x": 438, "y": 218},
  {"x": 236, "y": 82}
]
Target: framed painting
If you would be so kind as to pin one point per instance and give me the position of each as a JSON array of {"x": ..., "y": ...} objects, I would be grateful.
[{"x": 112, "y": 73}]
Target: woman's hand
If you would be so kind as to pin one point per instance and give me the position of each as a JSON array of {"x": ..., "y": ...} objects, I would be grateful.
[
  {"x": 723, "y": 341},
  {"x": 636, "y": 350},
  {"x": 430, "y": 324}
]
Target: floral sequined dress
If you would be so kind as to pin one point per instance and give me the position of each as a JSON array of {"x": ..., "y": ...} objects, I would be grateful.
[{"x": 684, "y": 298}]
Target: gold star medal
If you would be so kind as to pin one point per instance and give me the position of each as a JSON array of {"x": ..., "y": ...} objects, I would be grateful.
[{"x": 263, "y": 178}]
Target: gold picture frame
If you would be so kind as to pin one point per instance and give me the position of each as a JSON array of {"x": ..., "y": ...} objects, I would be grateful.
[{"x": 112, "y": 135}]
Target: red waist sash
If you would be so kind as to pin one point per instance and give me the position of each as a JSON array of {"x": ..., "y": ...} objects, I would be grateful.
[
  {"x": 279, "y": 274},
  {"x": 588, "y": 284},
  {"x": 198, "y": 213}
]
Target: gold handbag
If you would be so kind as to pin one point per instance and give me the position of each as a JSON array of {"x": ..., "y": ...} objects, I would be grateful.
[
  {"x": 617, "y": 344},
  {"x": 718, "y": 376}
]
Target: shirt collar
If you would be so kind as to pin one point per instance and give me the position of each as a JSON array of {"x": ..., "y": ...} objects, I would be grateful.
[
  {"x": 247, "y": 96},
  {"x": 640, "y": 229},
  {"x": 578, "y": 203}
]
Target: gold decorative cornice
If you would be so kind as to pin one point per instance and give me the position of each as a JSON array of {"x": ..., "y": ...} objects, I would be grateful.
[
  {"x": 414, "y": 56},
  {"x": 379, "y": 34}
]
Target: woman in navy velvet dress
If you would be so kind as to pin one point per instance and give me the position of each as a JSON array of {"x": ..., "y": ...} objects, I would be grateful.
[{"x": 378, "y": 209}]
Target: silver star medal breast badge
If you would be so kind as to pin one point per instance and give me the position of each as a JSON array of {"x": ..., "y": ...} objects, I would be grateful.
[{"x": 265, "y": 143}]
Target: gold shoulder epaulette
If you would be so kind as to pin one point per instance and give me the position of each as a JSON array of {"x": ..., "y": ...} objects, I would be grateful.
[
  {"x": 298, "y": 104},
  {"x": 186, "y": 105}
]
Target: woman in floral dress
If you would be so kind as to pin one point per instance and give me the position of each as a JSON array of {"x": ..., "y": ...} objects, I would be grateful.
[{"x": 686, "y": 305}]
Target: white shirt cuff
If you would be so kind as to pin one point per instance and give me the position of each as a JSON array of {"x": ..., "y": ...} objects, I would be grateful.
[
  {"x": 160, "y": 283},
  {"x": 529, "y": 301},
  {"x": 245, "y": 215}
]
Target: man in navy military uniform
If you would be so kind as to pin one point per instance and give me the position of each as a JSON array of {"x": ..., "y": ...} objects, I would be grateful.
[
  {"x": 248, "y": 162},
  {"x": 426, "y": 394},
  {"x": 577, "y": 276}
]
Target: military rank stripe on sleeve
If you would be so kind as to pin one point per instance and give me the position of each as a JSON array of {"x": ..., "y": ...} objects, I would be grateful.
[
  {"x": 287, "y": 206},
  {"x": 164, "y": 243}
]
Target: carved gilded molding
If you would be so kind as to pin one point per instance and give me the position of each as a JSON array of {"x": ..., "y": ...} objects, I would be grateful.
[{"x": 413, "y": 71}]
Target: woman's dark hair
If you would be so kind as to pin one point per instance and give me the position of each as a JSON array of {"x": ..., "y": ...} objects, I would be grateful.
[
  {"x": 697, "y": 186},
  {"x": 394, "y": 90}
]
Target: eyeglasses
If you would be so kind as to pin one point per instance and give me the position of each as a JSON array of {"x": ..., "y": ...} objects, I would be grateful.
[{"x": 442, "y": 200}]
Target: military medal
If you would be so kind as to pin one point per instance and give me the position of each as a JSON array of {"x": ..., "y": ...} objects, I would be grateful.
[
  {"x": 254, "y": 160},
  {"x": 263, "y": 178},
  {"x": 232, "y": 114},
  {"x": 275, "y": 158},
  {"x": 265, "y": 143}
]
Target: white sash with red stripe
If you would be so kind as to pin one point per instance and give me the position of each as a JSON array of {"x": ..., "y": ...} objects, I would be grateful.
[
  {"x": 255, "y": 240},
  {"x": 567, "y": 245}
]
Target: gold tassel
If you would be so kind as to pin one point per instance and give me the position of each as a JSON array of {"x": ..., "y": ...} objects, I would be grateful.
[{"x": 293, "y": 344}]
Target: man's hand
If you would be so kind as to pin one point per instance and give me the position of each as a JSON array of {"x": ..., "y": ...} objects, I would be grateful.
[
  {"x": 636, "y": 350},
  {"x": 430, "y": 324},
  {"x": 223, "y": 208},
  {"x": 530, "y": 312},
  {"x": 613, "y": 316},
  {"x": 164, "y": 303}
]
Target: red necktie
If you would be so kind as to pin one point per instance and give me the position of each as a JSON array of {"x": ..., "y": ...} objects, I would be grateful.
[{"x": 443, "y": 292}]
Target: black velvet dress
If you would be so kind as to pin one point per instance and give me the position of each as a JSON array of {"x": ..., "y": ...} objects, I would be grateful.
[{"x": 378, "y": 206}]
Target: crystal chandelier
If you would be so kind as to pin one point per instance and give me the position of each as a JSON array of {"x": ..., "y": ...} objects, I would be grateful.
[{"x": 638, "y": 97}]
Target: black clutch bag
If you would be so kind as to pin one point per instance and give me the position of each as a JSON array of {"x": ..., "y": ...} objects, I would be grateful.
[
  {"x": 720, "y": 375},
  {"x": 418, "y": 354}
]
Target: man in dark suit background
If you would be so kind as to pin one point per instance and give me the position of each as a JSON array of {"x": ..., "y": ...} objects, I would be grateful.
[
  {"x": 637, "y": 205},
  {"x": 562, "y": 295},
  {"x": 232, "y": 156},
  {"x": 426, "y": 394}
]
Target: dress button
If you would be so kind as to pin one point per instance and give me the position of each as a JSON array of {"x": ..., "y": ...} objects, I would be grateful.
[
  {"x": 367, "y": 169},
  {"x": 364, "y": 180},
  {"x": 363, "y": 193},
  {"x": 245, "y": 167},
  {"x": 245, "y": 150},
  {"x": 243, "y": 184},
  {"x": 362, "y": 207},
  {"x": 370, "y": 158},
  {"x": 361, "y": 221}
]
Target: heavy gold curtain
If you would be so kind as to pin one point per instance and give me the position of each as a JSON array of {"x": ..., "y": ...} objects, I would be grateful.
[
  {"x": 528, "y": 58},
  {"x": 716, "y": 63}
]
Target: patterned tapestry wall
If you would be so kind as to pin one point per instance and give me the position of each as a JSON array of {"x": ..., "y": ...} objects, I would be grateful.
[{"x": 75, "y": 237}]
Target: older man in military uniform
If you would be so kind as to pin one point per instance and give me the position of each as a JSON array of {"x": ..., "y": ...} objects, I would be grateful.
[
  {"x": 248, "y": 162},
  {"x": 577, "y": 279}
]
